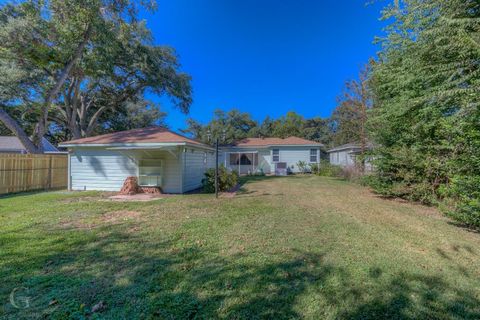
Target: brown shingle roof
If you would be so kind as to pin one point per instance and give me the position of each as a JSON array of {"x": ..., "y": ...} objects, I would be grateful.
[
  {"x": 265, "y": 142},
  {"x": 353, "y": 145},
  {"x": 143, "y": 135}
]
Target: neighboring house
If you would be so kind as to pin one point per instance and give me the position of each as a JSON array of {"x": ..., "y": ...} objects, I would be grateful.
[
  {"x": 11, "y": 144},
  {"x": 157, "y": 156},
  {"x": 265, "y": 155},
  {"x": 345, "y": 155}
]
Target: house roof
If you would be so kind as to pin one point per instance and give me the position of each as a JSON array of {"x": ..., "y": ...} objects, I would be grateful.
[
  {"x": 266, "y": 142},
  {"x": 151, "y": 135},
  {"x": 13, "y": 144},
  {"x": 352, "y": 145}
]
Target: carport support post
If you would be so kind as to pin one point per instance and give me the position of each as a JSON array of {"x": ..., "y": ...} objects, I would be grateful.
[{"x": 216, "y": 168}]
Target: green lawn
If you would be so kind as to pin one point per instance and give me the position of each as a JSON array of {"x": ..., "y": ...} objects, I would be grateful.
[{"x": 294, "y": 247}]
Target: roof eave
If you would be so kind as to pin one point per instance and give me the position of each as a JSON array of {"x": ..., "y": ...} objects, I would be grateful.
[
  {"x": 135, "y": 144},
  {"x": 341, "y": 149},
  {"x": 276, "y": 145}
]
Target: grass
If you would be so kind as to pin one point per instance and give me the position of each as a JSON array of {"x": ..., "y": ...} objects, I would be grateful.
[{"x": 295, "y": 247}]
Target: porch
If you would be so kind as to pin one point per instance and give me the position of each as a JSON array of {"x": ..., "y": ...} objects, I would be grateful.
[
  {"x": 154, "y": 166},
  {"x": 242, "y": 162}
]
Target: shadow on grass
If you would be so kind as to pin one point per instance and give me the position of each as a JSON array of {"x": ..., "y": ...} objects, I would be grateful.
[
  {"x": 243, "y": 191},
  {"x": 185, "y": 279},
  {"x": 464, "y": 226},
  {"x": 29, "y": 193}
]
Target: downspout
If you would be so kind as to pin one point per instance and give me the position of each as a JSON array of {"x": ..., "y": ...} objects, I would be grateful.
[
  {"x": 69, "y": 164},
  {"x": 184, "y": 153},
  {"x": 253, "y": 163}
]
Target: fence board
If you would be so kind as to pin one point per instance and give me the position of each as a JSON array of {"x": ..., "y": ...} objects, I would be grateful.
[{"x": 25, "y": 172}]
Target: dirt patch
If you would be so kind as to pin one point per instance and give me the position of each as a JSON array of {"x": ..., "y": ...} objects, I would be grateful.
[
  {"x": 137, "y": 197},
  {"x": 109, "y": 218},
  {"x": 119, "y": 216},
  {"x": 76, "y": 224},
  {"x": 104, "y": 195}
]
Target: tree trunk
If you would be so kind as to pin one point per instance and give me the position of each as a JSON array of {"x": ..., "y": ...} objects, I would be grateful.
[
  {"x": 41, "y": 127},
  {"x": 11, "y": 124}
]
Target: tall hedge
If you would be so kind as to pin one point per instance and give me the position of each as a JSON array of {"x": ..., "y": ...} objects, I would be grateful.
[{"x": 426, "y": 116}]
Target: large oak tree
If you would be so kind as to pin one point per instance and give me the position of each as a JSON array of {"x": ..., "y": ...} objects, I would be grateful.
[{"x": 72, "y": 61}]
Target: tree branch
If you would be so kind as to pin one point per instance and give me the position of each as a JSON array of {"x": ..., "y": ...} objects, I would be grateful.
[{"x": 11, "y": 124}]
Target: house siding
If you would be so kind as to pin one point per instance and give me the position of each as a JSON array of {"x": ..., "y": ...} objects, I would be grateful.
[
  {"x": 291, "y": 155},
  {"x": 194, "y": 166},
  {"x": 172, "y": 172},
  {"x": 106, "y": 170},
  {"x": 342, "y": 158},
  {"x": 93, "y": 169},
  {"x": 265, "y": 160}
]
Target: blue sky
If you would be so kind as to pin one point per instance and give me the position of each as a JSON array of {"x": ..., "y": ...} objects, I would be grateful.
[{"x": 266, "y": 57}]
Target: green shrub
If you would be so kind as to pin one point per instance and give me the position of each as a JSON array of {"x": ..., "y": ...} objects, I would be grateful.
[
  {"x": 329, "y": 170},
  {"x": 302, "y": 166},
  {"x": 351, "y": 173},
  {"x": 226, "y": 180},
  {"x": 315, "y": 167},
  {"x": 463, "y": 202},
  {"x": 406, "y": 173}
]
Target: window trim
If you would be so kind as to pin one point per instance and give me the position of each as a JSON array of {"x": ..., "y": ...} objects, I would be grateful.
[
  {"x": 314, "y": 155},
  {"x": 275, "y": 155}
]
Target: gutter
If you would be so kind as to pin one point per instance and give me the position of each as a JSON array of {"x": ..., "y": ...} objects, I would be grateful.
[
  {"x": 273, "y": 146},
  {"x": 136, "y": 145}
]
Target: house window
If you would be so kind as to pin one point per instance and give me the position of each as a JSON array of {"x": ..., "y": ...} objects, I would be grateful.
[
  {"x": 150, "y": 172},
  {"x": 234, "y": 159},
  {"x": 275, "y": 155},
  {"x": 313, "y": 155}
]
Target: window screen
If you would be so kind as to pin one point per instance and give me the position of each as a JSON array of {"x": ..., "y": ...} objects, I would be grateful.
[{"x": 234, "y": 159}]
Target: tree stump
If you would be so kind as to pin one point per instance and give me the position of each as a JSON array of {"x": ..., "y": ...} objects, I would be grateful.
[{"x": 130, "y": 186}]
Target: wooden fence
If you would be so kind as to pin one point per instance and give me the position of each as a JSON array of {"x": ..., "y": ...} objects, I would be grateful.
[{"x": 25, "y": 172}]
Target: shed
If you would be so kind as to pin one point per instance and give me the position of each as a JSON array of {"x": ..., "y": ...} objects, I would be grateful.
[
  {"x": 156, "y": 155},
  {"x": 346, "y": 154}
]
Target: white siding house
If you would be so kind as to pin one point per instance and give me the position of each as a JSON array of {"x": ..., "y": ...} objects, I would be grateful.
[
  {"x": 254, "y": 155},
  {"x": 172, "y": 162},
  {"x": 346, "y": 155},
  {"x": 156, "y": 156},
  {"x": 195, "y": 163},
  {"x": 99, "y": 169}
]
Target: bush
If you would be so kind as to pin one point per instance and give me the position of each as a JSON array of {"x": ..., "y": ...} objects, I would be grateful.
[
  {"x": 350, "y": 173},
  {"x": 406, "y": 173},
  {"x": 302, "y": 166},
  {"x": 329, "y": 170},
  {"x": 226, "y": 180},
  {"x": 463, "y": 202},
  {"x": 315, "y": 167}
]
